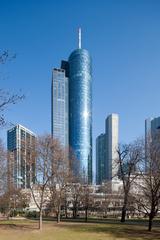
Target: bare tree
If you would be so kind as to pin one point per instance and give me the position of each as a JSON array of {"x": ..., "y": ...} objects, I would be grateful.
[
  {"x": 87, "y": 199},
  {"x": 129, "y": 156},
  {"x": 46, "y": 152},
  {"x": 67, "y": 194},
  {"x": 13, "y": 200},
  {"x": 76, "y": 196},
  {"x": 60, "y": 181},
  {"x": 3, "y": 171},
  {"x": 147, "y": 198},
  {"x": 6, "y": 56},
  {"x": 6, "y": 98},
  {"x": 3, "y": 168},
  {"x": 106, "y": 190}
]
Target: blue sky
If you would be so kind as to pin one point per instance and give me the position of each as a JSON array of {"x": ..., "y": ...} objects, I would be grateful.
[{"x": 123, "y": 38}]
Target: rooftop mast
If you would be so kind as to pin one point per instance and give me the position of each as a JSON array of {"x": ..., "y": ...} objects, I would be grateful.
[{"x": 79, "y": 38}]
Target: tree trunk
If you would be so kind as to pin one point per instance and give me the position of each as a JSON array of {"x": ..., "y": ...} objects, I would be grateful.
[
  {"x": 75, "y": 212},
  {"x": 105, "y": 212},
  {"x": 58, "y": 215},
  {"x": 86, "y": 214},
  {"x": 9, "y": 210},
  {"x": 66, "y": 212},
  {"x": 150, "y": 222},
  {"x": 124, "y": 208},
  {"x": 40, "y": 220},
  {"x": 8, "y": 213},
  {"x": 123, "y": 217}
]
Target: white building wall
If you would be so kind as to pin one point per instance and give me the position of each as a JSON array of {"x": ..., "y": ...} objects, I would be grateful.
[{"x": 112, "y": 136}]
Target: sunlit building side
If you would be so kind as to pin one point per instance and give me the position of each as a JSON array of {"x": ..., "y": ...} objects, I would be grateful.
[
  {"x": 21, "y": 157},
  {"x": 80, "y": 109}
]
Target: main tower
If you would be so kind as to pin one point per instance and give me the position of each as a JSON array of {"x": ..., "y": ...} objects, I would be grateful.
[{"x": 80, "y": 109}]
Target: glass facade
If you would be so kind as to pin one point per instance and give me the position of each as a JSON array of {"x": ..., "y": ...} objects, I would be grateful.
[
  {"x": 21, "y": 156},
  {"x": 59, "y": 92},
  {"x": 101, "y": 158},
  {"x": 152, "y": 127},
  {"x": 152, "y": 130},
  {"x": 80, "y": 109},
  {"x": 155, "y": 126}
]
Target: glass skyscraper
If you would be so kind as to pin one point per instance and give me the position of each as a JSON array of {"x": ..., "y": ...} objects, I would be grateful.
[
  {"x": 152, "y": 131},
  {"x": 101, "y": 158},
  {"x": 80, "y": 105},
  {"x": 76, "y": 77},
  {"x": 59, "y": 106}
]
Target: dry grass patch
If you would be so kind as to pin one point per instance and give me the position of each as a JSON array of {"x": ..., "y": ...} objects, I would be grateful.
[{"x": 27, "y": 230}]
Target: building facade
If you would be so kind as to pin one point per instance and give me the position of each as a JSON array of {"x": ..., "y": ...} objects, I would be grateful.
[
  {"x": 106, "y": 150},
  {"x": 101, "y": 158},
  {"x": 112, "y": 139},
  {"x": 72, "y": 108},
  {"x": 152, "y": 134},
  {"x": 152, "y": 126},
  {"x": 59, "y": 106},
  {"x": 80, "y": 113},
  {"x": 21, "y": 157}
]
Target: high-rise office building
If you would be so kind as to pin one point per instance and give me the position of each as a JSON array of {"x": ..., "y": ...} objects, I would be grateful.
[
  {"x": 152, "y": 131},
  {"x": 21, "y": 157},
  {"x": 80, "y": 108},
  {"x": 106, "y": 150},
  {"x": 59, "y": 106},
  {"x": 112, "y": 136},
  {"x": 152, "y": 126},
  {"x": 76, "y": 108},
  {"x": 101, "y": 158}
]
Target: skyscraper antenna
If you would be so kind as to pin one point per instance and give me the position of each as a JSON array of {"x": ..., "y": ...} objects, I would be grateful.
[{"x": 79, "y": 38}]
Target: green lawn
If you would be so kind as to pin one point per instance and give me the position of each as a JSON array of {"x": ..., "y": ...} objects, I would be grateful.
[{"x": 111, "y": 230}]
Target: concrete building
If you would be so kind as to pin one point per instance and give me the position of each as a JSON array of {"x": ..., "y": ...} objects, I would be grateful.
[
  {"x": 112, "y": 140},
  {"x": 21, "y": 156},
  {"x": 106, "y": 150}
]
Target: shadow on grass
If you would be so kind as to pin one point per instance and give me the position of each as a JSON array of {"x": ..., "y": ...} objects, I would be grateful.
[
  {"x": 116, "y": 230},
  {"x": 18, "y": 226},
  {"x": 138, "y": 222},
  {"x": 131, "y": 230}
]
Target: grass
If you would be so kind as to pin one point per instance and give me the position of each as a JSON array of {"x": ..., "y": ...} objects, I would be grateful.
[{"x": 110, "y": 230}]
